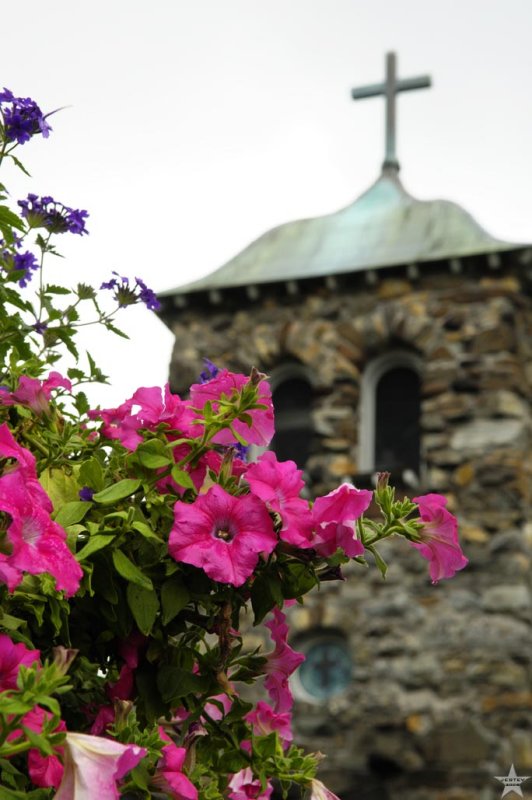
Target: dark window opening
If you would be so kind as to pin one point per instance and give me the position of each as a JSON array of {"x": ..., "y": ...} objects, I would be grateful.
[
  {"x": 292, "y": 401},
  {"x": 397, "y": 412}
]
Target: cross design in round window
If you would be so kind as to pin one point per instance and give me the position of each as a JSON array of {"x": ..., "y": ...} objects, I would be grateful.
[{"x": 327, "y": 668}]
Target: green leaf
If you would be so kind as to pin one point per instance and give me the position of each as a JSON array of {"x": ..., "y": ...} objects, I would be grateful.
[
  {"x": 174, "y": 597},
  {"x": 144, "y": 606},
  {"x": 11, "y": 623},
  {"x": 72, "y": 512},
  {"x": 53, "y": 289},
  {"x": 152, "y": 460},
  {"x": 20, "y": 165},
  {"x": 145, "y": 531},
  {"x": 97, "y": 542},
  {"x": 91, "y": 474},
  {"x": 149, "y": 697},
  {"x": 60, "y": 487},
  {"x": 262, "y": 597},
  {"x": 9, "y": 219},
  {"x": 128, "y": 570},
  {"x": 75, "y": 374},
  {"x": 182, "y": 478},
  {"x": 81, "y": 402},
  {"x": 174, "y": 682},
  {"x": 117, "y": 491},
  {"x": 40, "y": 742},
  {"x": 297, "y": 579},
  {"x": 379, "y": 561},
  {"x": 115, "y": 330}
]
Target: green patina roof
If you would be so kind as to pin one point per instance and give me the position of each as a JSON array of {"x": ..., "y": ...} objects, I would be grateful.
[{"x": 384, "y": 227}]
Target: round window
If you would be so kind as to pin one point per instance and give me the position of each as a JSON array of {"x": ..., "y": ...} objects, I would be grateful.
[{"x": 327, "y": 668}]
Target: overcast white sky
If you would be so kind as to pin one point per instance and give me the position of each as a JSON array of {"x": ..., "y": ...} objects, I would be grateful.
[{"x": 193, "y": 127}]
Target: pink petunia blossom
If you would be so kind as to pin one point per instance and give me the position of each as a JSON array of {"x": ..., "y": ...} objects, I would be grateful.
[
  {"x": 104, "y": 718},
  {"x": 197, "y": 473},
  {"x": 33, "y": 393},
  {"x": 213, "y": 709},
  {"x": 11, "y": 657},
  {"x": 38, "y": 544},
  {"x": 439, "y": 537},
  {"x": 26, "y": 465},
  {"x": 146, "y": 410},
  {"x": 281, "y": 663},
  {"x": 279, "y": 483},
  {"x": 170, "y": 775},
  {"x": 318, "y": 791},
  {"x": 93, "y": 765},
  {"x": 130, "y": 648},
  {"x": 222, "y": 534},
  {"x": 44, "y": 771},
  {"x": 264, "y": 721},
  {"x": 335, "y": 515},
  {"x": 226, "y": 384},
  {"x": 245, "y": 787}
]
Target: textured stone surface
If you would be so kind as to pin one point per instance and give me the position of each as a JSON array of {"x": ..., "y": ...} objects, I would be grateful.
[{"x": 440, "y": 699}]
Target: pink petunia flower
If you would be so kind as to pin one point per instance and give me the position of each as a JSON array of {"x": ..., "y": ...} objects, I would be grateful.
[
  {"x": 145, "y": 410},
  {"x": 245, "y": 787},
  {"x": 38, "y": 544},
  {"x": 44, "y": 771},
  {"x": 26, "y": 465},
  {"x": 170, "y": 776},
  {"x": 33, "y": 393},
  {"x": 93, "y": 765},
  {"x": 213, "y": 709},
  {"x": 439, "y": 537},
  {"x": 222, "y": 534},
  {"x": 318, "y": 791},
  {"x": 279, "y": 483},
  {"x": 264, "y": 721},
  {"x": 11, "y": 657},
  {"x": 226, "y": 383},
  {"x": 335, "y": 515},
  {"x": 281, "y": 663},
  {"x": 102, "y": 720}
]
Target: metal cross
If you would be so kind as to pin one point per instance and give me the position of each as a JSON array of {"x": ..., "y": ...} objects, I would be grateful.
[{"x": 389, "y": 89}]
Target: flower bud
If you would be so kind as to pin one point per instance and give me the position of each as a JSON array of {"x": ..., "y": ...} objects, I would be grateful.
[{"x": 63, "y": 658}]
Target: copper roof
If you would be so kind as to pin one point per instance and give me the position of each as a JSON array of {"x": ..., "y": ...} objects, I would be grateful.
[{"x": 384, "y": 227}]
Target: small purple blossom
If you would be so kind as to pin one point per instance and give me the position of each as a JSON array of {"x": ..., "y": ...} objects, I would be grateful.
[
  {"x": 52, "y": 215},
  {"x": 147, "y": 296},
  {"x": 127, "y": 295},
  {"x": 241, "y": 451},
  {"x": 27, "y": 263},
  {"x": 40, "y": 327},
  {"x": 210, "y": 371},
  {"x": 86, "y": 494},
  {"x": 22, "y": 118},
  {"x": 23, "y": 264}
]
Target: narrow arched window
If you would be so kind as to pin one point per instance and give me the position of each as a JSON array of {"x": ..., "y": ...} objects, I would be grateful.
[
  {"x": 390, "y": 414},
  {"x": 292, "y": 402}
]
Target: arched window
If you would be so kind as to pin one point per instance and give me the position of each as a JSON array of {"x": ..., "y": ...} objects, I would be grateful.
[
  {"x": 390, "y": 414},
  {"x": 292, "y": 402}
]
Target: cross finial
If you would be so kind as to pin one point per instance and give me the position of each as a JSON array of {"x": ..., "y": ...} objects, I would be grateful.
[{"x": 389, "y": 89}]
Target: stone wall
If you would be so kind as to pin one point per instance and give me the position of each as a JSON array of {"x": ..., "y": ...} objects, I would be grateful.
[{"x": 440, "y": 700}]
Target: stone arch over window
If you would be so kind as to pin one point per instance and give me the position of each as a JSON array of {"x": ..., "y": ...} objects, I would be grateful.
[
  {"x": 390, "y": 410},
  {"x": 292, "y": 394}
]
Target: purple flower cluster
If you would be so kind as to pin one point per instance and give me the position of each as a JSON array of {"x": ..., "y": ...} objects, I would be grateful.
[
  {"x": 45, "y": 212},
  {"x": 22, "y": 118},
  {"x": 23, "y": 264},
  {"x": 127, "y": 295}
]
